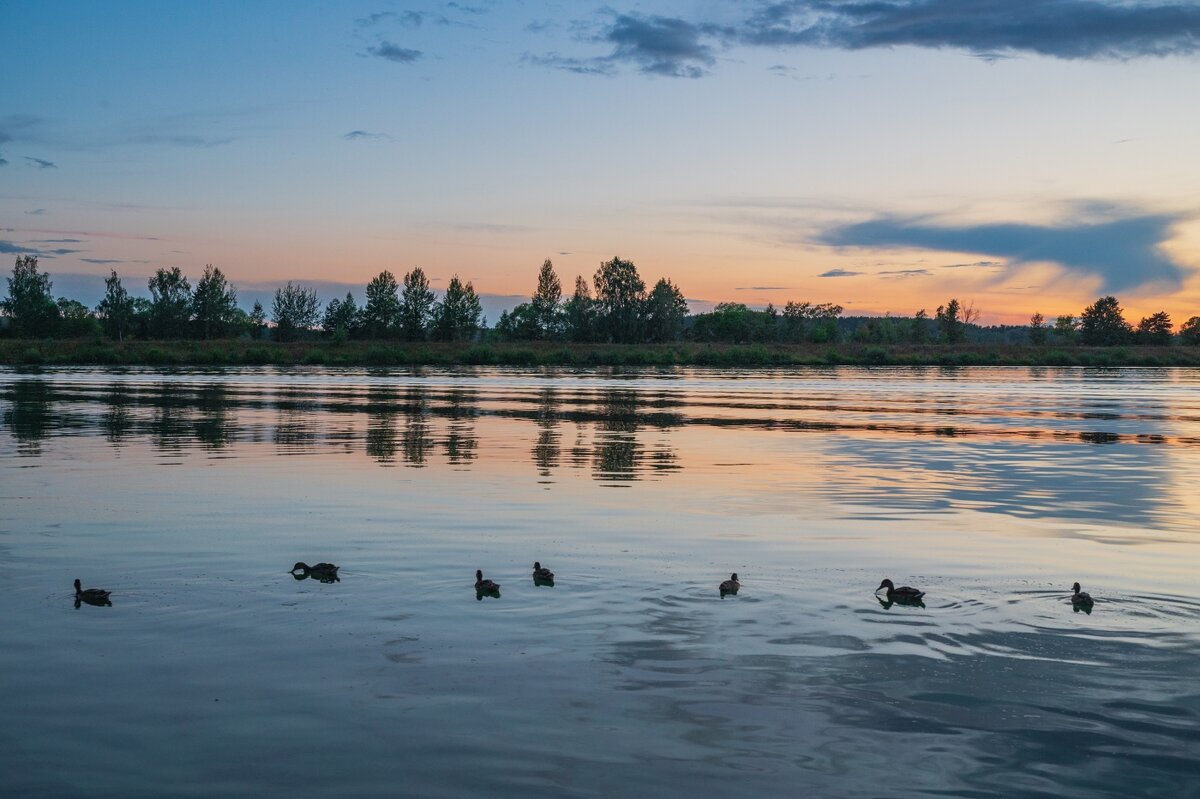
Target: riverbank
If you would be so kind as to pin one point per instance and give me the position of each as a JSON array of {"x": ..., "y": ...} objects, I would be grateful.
[{"x": 239, "y": 352}]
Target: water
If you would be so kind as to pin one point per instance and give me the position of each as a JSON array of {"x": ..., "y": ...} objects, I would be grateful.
[{"x": 189, "y": 494}]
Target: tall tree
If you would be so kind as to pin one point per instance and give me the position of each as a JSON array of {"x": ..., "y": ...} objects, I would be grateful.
[
  {"x": 1037, "y": 329},
  {"x": 1066, "y": 328},
  {"x": 170, "y": 303},
  {"x": 381, "y": 316},
  {"x": 116, "y": 309},
  {"x": 579, "y": 313},
  {"x": 214, "y": 303},
  {"x": 950, "y": 324},
  {"x": 75, "y": 320},
  {"x": 1155, "y": 330},
  {"x": 258, "y": 320},
  {"x": 29, "y": 304},
  {"x": 621, "y": 295},
  {"x": 416, "y": 305},
  {"x": 456, "y": 317},
  {"x": 546, "y": 302},
  {"x": 1189, "y": 332},
  {"x": 1102, "y": 324},
  {"x": 665, "y": 310},
  {"x": 342, "y": 317},
  {"x": 920, "y": 327},
  {"x": 294, "y": 310}
]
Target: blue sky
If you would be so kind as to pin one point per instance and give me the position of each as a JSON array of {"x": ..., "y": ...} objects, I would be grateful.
[{"x": 1028, "y": 156}]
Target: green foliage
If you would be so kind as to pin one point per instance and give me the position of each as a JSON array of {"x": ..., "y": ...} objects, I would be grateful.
[
  {"x": 1154, "y": 330},
  {"x": 546, "y": 302},
  {"x": 342, "y": 318},
  {"x": 257, "y": 320},
  {"x": 381, "y": 315},
  {"x": 457, "y": 316},
  {"x": 416, "y": 306},
  {"x": 295, "y": 311},
  {"x": 621, "y": 295},
  {"x": 116, "y": 310},
  {"x": 664, "y": 313},
  {"x": 75, "y": 320},
  {"x": 29, "y": 304},
  {"x": 214, "y": 304},
  {"x": 1189, "y": 332},
  {"x": 1066, "y": 329},
  {"x": 170, "y": 303},
  {"x": 919, "y": 327},
  {"x": 1102, "y": 324},
  {"x": 950, "y": 324},
  {"x": 580, "y": 312},
  {"x": 1037, "y": 329}
]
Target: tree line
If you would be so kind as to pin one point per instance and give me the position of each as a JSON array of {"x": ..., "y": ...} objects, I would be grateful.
[{"x": 615, "y": 307}]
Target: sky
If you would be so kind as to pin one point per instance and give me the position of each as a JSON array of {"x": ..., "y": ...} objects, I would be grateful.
[{"x": 1020, "y": 155}]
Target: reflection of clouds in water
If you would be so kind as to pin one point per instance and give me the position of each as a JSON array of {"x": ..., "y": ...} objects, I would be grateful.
[{"x": 1114, "y": 483}]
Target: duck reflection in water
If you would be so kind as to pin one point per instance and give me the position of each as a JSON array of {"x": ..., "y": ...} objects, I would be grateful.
[
  {"x": 485, "y": 587},
  {"x": 91, "y": 596},
  {"x": 325, "y": 572},
  {"x": 542, "y": 575}
]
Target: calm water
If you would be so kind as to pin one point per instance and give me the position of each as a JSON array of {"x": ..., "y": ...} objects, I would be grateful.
[{"x": 189, "y": 494}]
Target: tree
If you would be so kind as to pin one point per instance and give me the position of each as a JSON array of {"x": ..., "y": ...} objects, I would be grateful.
[
  {"x": 1102, "y": 324},
  {"x": 579, "y": 313},
  {"x": 214, "y": 303},
  {"x": 620, "y": 294},
  {"x": 1189, "y": 331},
  {"x": 1155, "y": 330},
  {"x": 950, "y": 325},
  {"x": 416, "y": 305},
  {"x": 456, "y": 317},
  {"x": 294, "y": 310},
  {"x": 258, "y": 320},
  {"x": 920, "y": 327},
  {"x": 547, "y": 302},
  {"x": 116, "y": 309},
  {"x": 381, "y": 316},
  {"x": 29, "y": 304},
  {"x": 342, "y": 317},
  {"x": 795, "y": 320},
  {"x": 1066, "y": 328},
  {"x": 1037, "y": 329},
  {"x": 665, "y": 310},
  {"x": 170, "y": 303},
  {"x": 519, "y": 324},
  {"x": 75, "y": 320}
]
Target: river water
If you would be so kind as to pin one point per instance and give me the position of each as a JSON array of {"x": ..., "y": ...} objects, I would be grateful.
[{"x": 190, "y": 493}]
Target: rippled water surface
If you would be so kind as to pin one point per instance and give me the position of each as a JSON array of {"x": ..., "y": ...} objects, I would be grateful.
[{"x": 189, "y": 494}]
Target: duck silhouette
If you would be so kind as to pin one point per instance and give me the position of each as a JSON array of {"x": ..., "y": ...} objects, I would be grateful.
[
  {"x": 91, "y": 596},
  {"x": 325, "y": 572}
]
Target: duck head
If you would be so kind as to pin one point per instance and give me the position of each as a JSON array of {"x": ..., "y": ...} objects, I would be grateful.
[
  {"x": 537, "y": 566},
  {"x": 300, "y": 566},
  {"x": 78, "y": 586},
  {"x": 1075, "y": 588},
  {"x": 733, "y": 577},
  {"x": 478, "y": 575},
  {"x": 888, "y": 584}
]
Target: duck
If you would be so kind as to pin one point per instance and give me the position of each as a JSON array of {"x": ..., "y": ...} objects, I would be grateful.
[
  {"x": 325, "y": 572},
  {"x": 483, "y": 586},
  {"x": 1080, "y": 597},
  {"x": 92, "y": 596},
  {"x": 543, "y": 574},
  {"x": 731, "y": 585},
  {"x": 902, "y": 594}
]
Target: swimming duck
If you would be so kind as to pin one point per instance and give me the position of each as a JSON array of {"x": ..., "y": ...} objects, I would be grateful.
[
  {"x": 543, "y": 574},
  {"x": 1080, "y": 597},
  {"x": 483, "y": 586},
  {"x": 325, "y": 572},
  {"x": 731, "y": 585},
  {"x": 92, "y": 596},
  {"x": 902, "y": 594}
]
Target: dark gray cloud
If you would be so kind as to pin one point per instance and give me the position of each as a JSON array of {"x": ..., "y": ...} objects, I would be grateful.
[
  {"x": 395, "y": 53},
  {"x": 990, "y": 28},
  {"x": 8, "y": 248},
  {"x": 409, "y": 19},
  {"x": 102, "y": 260},
  {"x": 3, "y": 160},
  {"x": 978, "y": 264},
  {"x": 894, "y": 273},
  {"x": 580, "y": 66},
  {"x": 40, "y": 163},
  {"x": 58, "y": 241},
  {"x": 839, "y": 273},
  {"x": 762, "y": 288},
  {"x": 656, "y": 45},
  {"x": 363, "y": 135},
  {"x": 36, "y": 212},
  {"x": 1124, "y": 252},
  {"x": 182, "y": 139}
]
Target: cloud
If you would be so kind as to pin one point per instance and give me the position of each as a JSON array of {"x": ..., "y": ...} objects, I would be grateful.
[
  {"x": 980, "y": 264},
  {"x": 8, "y": 248},
  {"x": 182, "y": 139},
  {"x": 656, "y": 45},
  {"x": 3, "y": 160},
  {"x": 40, "y": 163},
  {"x": 580, "y": 66},
  {"x": 1068, "y": 29},
  {"x": 394, "y": 53},
  {"x": 1124, "y": 250},
  {"x": 409, "y": 19},
  {"x": 897, "y": 273},
  {"x": 362, "y": 135},
  {"x": 102, "y": 260},
  {"x": 839, "y": 273},
  {"x": 761, "y": 288},
  {"x": 58, "y": 241},
  {"x": 36, "y": 212}
]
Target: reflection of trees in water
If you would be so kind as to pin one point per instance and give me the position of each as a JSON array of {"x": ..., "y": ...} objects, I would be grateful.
[
  {"x": 417, "y": 439},
  {"x": 170, "y": 429},
  {"x": 381, "y": 426},
  {"x": 213, "y": 428},
  {"x": 29, "y": 415},
  {"x": 546, "y": 451},
  {"x": 117, "y": 421},
  {"x": 294, "y": 428},
  {"x": 617, "y": 447},
  {"x": 462, "y": 408}
]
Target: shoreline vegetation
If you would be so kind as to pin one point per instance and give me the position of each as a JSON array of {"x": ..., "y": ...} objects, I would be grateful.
[
  {"x": 248, "y": 352},
  {"x": 613, "y": 321}
]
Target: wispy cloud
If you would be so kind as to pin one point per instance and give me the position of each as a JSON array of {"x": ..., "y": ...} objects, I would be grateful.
[
  {"x": 8, "y": 248},
  {"x": 762, "y": 288},
  {"x": 1123, "y": 249},
  {"x": 40, "y": 163},
  {"x": 363, "y": 135},
  {"x": 102, "y": 260},
  {"x": 976, "y": 264},
  {"x": 901, "y": 273},
  {"x": 394, "y": 53},
  {"x": 656, "y": 45},
  {"x": 36, "y": 212},
  {"x": 839, "y": 273}
]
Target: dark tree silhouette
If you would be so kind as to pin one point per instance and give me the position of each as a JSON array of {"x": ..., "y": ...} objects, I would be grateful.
[
  {"x": 381, "y": 316},
  {"x": 170, "y": 303},
  {"x": 29, "y": 304},
  {"x": 116, "y": 309},
  {"x": 546, "y": 302},
  {"x": 1155, "y": 330},
  {"x": 214, "y": 304},
  {"x": 416, "y": 306},
  {"x": 1037, "y": 329},
  {"x": 665, "y": 310},
  {"x": 621, "y": 295},
  {"x": 1102, "y": 324},
  {"x": 295, "y": 310}
]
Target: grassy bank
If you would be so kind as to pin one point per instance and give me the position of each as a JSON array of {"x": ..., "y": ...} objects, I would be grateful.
[{"x": 242, "y": 352}]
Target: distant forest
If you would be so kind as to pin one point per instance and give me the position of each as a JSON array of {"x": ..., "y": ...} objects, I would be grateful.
[{"x": 616, "y": 308}]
